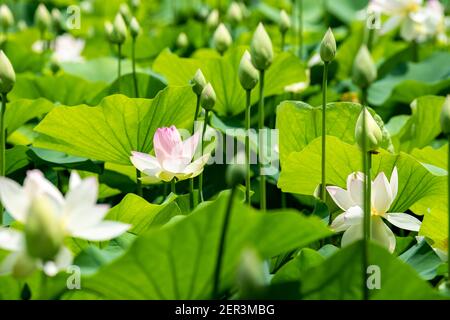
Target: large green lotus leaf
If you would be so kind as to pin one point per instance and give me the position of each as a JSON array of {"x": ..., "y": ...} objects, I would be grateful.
[
  {"x": 141, "y": 214},
  {"x": 300, "y": 123},
  {"x": 423, "y": 259},
  {"x": 435, "y": 157},
  {"x": 148, "y": 87},
  {"x": 16, "y": 158},
  {"x": 301, "y": 173},
  {"x": 21, "y": 111},
  {"x": 346, "y": 10},
  {"x": 64, "y": 89},
  {"x": 223, "y": 75},
  {"x": 10, "y": 288},
  {"x": 178, "y": 260},
  {"x": 415, "y": 80},
  {"x": 422, "y": 127},
  {"x": 119, "y": 125},
  {"x": 339, "y": 277}
]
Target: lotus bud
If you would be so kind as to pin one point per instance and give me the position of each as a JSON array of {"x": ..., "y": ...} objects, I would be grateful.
[
  {"x": 234, "y": 13},
  {"x": 21, "y": 25},
  {"x": 285, "y": 22},
  {"x": 364, "y": 69},
  {"x": 44, "y": 234},
  {"x": 135, "y": 4},
  {"x": 126, "y": 13},
  {"x": 7, "y": 74},
  {"x": 182, "y": 40},
  {"x": 222, "y": 39},
  {"x": 42, "y": 18},
  {"x": 250, "y": 274},
  {"x": 120, "y": 30},
  {"x": 198, "y": 82},
  {"x": 248, "y": 75},
  {"x": 235, "y": 174},
  {"x": 6, "y": 17},
  {"x": 135, "y": 28},
  {"x": 261, "y": 49},
  {"x": 213, "y": 19},
  {"x": 109, "y": 31},
  {"x": 56, "y": 20},
  {"x": 208, "y": 97},
  {"x": 24, "y": 266},
  {"x": 445, "y": 116},
  {"x": 374, "y": 136},
  {"x": 328, "y": 47},
  {"x": 54, "y": 65}
]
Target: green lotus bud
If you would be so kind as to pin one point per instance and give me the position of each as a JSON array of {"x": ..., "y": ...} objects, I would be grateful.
[
  {"x": 7, "y": 74},
  {"x": 125, "y": 11},
  {"x": 235, "y": 174},
  {"x": 135, "y": 28},
  {"x": 374, "y": 136},
  {"x": 248, "y": 75},
  {"x": 208, "y": 97},
  {"x": 135, "y": 4},
  {"x": 182, "y": 40},
  {"x": 250, "y": 274},
  {"x": 120, "y": 30},
  {"x": 328, "y": 47},
  {"x": 445, "y": 116},
  {"x": 44, "y": 234},
  {"x": 54, "y": 65},
  {"x": 57, "y": 20},
  {"x": 109, "y": 31},
  {"x": 261, "y": 48},
  {"x": 24, "y": 266},
  {"x": 213, "y": 19},
  {"x": 198, "y": 82},
  {"x": 364, "y": 70},
  {"x": 285, "y": 22},
  {"x": 234, "y": 13},
  {"x": 222, "y": 39},
  {"x": 6, "y": 17},
  {"x": 42, "y": 18}
]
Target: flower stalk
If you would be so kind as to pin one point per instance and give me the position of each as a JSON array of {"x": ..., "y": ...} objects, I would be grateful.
[
  {"x": 2, "y": 147},
  {"x": 247, "y": 145},
  {"x": 262, "y": 177},
  {"x": 135, "y": 29}
]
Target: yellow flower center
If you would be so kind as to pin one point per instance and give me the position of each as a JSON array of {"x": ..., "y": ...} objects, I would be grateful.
[{"x": 412, "y": 7}]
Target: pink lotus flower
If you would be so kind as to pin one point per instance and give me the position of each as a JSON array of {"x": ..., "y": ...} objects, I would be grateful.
[{"x": 173, "y": 157}]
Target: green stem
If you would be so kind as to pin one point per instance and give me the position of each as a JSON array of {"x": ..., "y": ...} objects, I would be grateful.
[
  {"x": 119, "y": 66},
  {"x": 300, "y": 28},
  {"x": 262, "y": 178},
  {"x": 172, "y": 186},
  {"x": 448, "y": 205},
  {"x": 133, "y": 58},
  {"x": 323, "y": 195},
  {"x": 138, "y": 184},
  {"x": 370, "y": 38},
  {"x": 197, "y": 109},
  {"x": 2, "y": 146},
  {"x": 216, "y": 284},
  {"x": 191, "y": 193},
  {"x": 247, "y": 145},
  {"x": 200, "y": 177},
  {"x": 283, "y": 40},
  {"x": 415, "y": 51},
  {"x": 283, "y": 200}
]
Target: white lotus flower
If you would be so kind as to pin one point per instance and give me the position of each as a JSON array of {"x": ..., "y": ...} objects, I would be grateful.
[
  {"x": 75, "y": 215},
  {"x": 384, "y": 193},
  {"x": 173, "y": 157},
  {"x": 416, "y": 22},
  {"x": 67, "y": 48}
]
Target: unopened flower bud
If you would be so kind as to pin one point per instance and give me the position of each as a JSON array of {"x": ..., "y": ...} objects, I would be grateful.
[
  {"x": 248, "y": 75},
  {"x": 135, "y": 4},
  {"x": 373, "y": 135},
  {"x": 364, "y": 70},
  {"x": 43, "y": 231},
  {"x": 235, "y": 174},
  {"x": 182, "y": 40},
  {"x": 57, "y": 20},
  {"x": 222, "y": 39},
  {"x": 198, "y": 82},
  {"x": 445, "y": 116},
  {"x": 213, "y": 19},
  {"x": 250, "y": 274},
  {"x": 328, "y": 47},
  {"x": 261, "y": 49},
  {"x": 234, "y": 13},
  {"x": 135, "y": 28},
  {"x": 7, "y": 74},
  {"x": 42, "y": 18},
  {"x": 109, "y": 31},
  {"x": 6, "y": 17},
  {"x": 120, "y": 30},
  {"x": 208, "y": 97},
  {"x": 126, "y": 13},
  {"x": 285, "y": 22}
]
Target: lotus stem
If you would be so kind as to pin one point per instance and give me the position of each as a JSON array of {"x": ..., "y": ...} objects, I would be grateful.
[
  {"x": 262, "y": 178},
  {"x": 448, "y": 207},
  {"x": 2, "y": 147},
  {"x": 119, "y": 66},
  {"x": 139, "y": 191},
  {"x": 191, "y": 193},
  {"x": 415, "y": 51},
  {"x": 300, "y": 28},
  {"x": 367, "y": 164},
  {"x": 200, "y": 177},
  {"x": 191, "y": 182},
  {"x": 323, "y": 195},
  {"x": 283, "y": 41},
  {"x": 133, "y": 58},
  {"x": 247, "y": 145},
  {"x": 173, "y": 186},
  {"x": 216, "y": 284}
]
